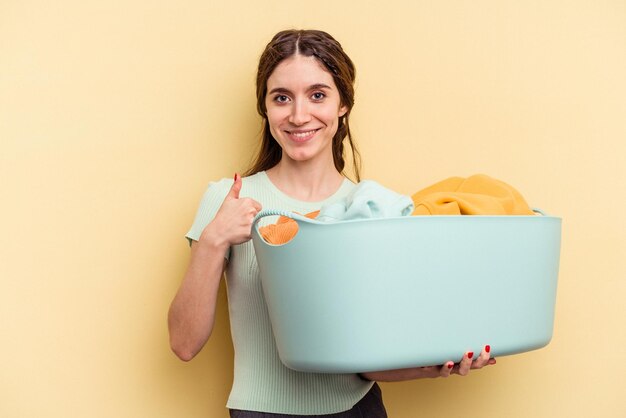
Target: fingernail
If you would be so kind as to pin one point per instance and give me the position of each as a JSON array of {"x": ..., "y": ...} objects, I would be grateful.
[
  {"x": 470, "y": 354},
  {"x": 450, "y": 365},
  {"x": 488, "y": 348},
  {"x": 235, "y": 178}
]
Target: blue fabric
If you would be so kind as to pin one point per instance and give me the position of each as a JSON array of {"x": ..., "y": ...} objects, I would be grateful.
[{"x": 367, "y": 200}]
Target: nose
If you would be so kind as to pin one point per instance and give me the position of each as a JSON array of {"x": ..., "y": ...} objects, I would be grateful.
[{"x": 300, "y": 113}]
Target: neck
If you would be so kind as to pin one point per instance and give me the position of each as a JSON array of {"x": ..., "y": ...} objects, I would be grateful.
[{"x": 308, "y": 181}]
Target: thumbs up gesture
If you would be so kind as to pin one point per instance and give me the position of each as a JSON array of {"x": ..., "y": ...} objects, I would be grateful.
[
  {"x": 232, "y": 224},
  {"x": 233, "y": 193}
]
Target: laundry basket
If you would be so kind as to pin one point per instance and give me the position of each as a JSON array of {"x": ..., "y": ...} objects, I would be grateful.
[{"x": 379, "y": 294}]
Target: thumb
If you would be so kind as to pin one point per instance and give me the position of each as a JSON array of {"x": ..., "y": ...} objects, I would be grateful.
[{"x": 233, "y": 193}]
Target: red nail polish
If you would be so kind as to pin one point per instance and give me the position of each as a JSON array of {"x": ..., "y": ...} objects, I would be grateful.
[
  {"x": 488, "y": 348},
  {"x": 470, "y": 354},
  {"x": 235, "y": 178},
  {"x": 450, "y": 365}
]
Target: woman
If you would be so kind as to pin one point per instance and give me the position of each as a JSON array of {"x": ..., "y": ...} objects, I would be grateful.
[{"x": 305, "y": 94}]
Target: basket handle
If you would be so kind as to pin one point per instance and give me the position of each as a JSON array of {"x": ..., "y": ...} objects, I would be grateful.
[{"x": 276, "y": 212}]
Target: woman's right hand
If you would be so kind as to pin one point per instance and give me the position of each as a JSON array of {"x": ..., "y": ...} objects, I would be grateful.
[
  {"x": 192, "y": 312},
  {"x": 232, "y": 224}
]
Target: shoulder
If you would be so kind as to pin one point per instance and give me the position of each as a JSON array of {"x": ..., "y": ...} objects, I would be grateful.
[
  {"x": 256, "y": 179},
  {"x": 254, "y": 185},
  {"x": 212, "y": 199},
  {"x": 217, "y": 189}
]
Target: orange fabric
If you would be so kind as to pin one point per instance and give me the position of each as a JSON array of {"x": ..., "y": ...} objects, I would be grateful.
[
  {"x": 283, "y": 230},
  {"x": 476, "y": 195}
]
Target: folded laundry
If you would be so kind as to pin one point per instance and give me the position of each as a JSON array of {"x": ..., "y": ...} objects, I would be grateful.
[{"x": 475, "y": 195}]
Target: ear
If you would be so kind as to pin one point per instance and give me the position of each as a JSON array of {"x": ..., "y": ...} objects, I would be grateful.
[{"x": 343, "y": 110}]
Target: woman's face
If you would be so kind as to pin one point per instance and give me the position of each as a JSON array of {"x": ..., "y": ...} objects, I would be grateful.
[{"x": 303, "y": 108}]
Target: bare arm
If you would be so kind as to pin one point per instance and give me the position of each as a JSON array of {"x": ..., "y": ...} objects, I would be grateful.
[{"x": 192, "y": 312}]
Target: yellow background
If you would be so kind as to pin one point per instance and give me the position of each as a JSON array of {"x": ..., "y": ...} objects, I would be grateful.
[{"x": 114, "y": 115}]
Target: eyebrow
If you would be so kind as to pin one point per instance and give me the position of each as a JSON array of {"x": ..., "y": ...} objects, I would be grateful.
[{"x": 318, "y": 86}]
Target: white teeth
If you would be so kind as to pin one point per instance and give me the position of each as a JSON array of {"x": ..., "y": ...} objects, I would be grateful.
[{"x": 302, "y": 134}]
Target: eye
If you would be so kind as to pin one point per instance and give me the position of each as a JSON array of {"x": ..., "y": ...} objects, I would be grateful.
[
  {"x": 281, "y": 98},
  {"x": 318, "y": 96}
]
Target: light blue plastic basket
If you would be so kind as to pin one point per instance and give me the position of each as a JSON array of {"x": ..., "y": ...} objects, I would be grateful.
[{"x": 380, "y": 294}]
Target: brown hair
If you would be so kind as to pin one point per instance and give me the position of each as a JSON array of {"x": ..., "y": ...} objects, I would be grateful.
[{"x": 331, "y": 55}]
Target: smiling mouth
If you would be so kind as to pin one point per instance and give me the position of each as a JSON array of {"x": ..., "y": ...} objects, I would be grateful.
[{"x": 301, "y": 136}]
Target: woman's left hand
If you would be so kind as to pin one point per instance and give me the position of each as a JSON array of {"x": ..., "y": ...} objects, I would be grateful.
[
  {"x": 463, "y": 367},
  {"x": 468, "y": 363}
]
